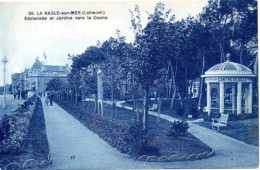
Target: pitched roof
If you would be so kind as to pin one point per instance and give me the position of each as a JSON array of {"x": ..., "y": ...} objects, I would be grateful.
[{"x": 55, "y": 68}]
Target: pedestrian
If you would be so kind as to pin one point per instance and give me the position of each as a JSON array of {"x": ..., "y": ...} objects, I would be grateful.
[
  {"x": 51, "y": 98},
  {"x": 46, "y": 101}
]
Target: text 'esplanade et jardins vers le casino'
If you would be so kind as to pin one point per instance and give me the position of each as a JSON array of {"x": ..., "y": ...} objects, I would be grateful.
[{"x": 66, "y": 15}]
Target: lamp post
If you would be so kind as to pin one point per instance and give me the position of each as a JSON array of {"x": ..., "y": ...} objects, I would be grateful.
[
  {"x": 20, "y": 87},
  {"x": 4, "y": 60}
]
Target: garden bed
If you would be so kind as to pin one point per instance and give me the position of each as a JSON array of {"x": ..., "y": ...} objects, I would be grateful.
[
  {"x": 243, "y": 130},
  {"x": 32, "y": 148},
  {"x": 158, "y": 140}
]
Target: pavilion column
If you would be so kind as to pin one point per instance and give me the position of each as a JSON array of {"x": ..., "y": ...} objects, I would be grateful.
[
  {"x": 250, "y": 98},
  {"x": 239, "y": 97},
  {"x": 208, "y": 98},
  {"x": 246, "y": 100},
  {"x": 233, "y": 98},
  {"x": 221, "y": 97}
]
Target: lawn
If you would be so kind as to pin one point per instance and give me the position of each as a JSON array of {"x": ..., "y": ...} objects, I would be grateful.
[
  {"x": 167, "y": 110},
  {"x": 243, "y": 130},
  {"x": 157, "y": 133}
]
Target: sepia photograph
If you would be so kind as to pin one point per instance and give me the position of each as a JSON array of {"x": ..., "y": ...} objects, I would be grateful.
[{"x": 129, "y": 84}]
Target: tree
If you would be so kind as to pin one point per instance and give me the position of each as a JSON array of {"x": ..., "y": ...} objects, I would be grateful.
[
  {"x": 84, "y": 71},
  {"x": 10, "y": 89},
  {"x": 56, "y": 85},
  {"x": 149, "y": 51}
]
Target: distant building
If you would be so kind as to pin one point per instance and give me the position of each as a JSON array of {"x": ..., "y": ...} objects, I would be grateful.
[
  {"x": 193, "y": 89},
  {"x": 16, "y": 81},
  {"x": 35, "y": 79}
]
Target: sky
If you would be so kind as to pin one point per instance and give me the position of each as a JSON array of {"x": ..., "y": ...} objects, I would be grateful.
[{"x": 22, "y": 41}]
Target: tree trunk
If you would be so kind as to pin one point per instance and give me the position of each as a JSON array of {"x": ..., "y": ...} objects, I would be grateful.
[
  {"x": 145, "y": 107},
  {"x": 113, "y": 102},
  {"x": 155, "y": 97},
  {"x": 134, "y": 103},
  {"x": 201, "y": 80},
  {"x": 181, "y": 101},
  {"x": 76, "y": 96},
  {"x": 173, "y": 87},
  {"x": 186, "y": 82},
  {"x": 159, "y": 108},
  {"x": 96, "y": 104},
  {"x": 241, "y": 52},
  {"x": 221, "y": 54},
  {"x": 168, "y": 84},
  {"x": 67, "y": 95},
  {"x": 176, "y": 67},
  {"x": 255, "y": 66},
  {"x": 83, "y": 95},
  {"x": 71, "y": 97}
]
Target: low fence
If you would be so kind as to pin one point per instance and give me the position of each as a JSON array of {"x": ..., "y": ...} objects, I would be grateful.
[
  {"x": 174, "y": 158},
  {"x": 28, "y": 164}
]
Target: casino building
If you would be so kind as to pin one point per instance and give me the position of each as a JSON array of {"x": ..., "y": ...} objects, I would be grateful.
[{"x": 35, "y": 79}]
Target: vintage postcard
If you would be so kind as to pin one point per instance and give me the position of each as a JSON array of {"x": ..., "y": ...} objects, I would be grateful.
[{"x": 129, "y": 84}]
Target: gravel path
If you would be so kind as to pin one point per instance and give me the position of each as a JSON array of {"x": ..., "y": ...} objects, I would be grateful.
[{"x": 67, "y": 138}]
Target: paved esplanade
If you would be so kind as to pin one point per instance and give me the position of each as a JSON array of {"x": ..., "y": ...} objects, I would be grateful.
[{"x": 68, "y": 137}]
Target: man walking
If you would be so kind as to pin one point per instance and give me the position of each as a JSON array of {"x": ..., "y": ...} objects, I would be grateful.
[{"x": 51, "y": 98}]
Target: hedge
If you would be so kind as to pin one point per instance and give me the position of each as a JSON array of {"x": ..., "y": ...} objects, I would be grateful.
[{"x": 14, "y": 127}]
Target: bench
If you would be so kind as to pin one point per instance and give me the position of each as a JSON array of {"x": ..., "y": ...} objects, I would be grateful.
[
  {"x": 154, "y": 107},
  {"x": 221, "y": 122}
]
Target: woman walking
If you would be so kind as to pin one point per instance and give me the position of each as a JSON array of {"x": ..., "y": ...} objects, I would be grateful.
[{"x": 46, "y": 100}]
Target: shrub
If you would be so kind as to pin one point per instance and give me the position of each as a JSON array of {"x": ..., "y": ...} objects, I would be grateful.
[
  {"x": 206, "y": 117},
  {"x": 179, "y": 109},
  {"x": 194, "y": 112},
  {"x": 4, "y": 127},
  {"x": 179, "y": 128},
  {"x": 149, "y": 150}
]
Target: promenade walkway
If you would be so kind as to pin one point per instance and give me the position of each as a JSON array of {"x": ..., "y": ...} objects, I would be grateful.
[{"x": 73, "y": 146}]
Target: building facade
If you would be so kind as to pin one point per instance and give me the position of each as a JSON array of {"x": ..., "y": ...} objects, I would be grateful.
[{"x": 35, "y": 79}]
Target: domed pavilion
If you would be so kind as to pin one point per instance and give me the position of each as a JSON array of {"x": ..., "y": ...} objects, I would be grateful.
[{"x": 229, "y": 88}]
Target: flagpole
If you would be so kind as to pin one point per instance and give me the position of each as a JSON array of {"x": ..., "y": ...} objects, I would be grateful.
[{"x": 45, "y": 57}]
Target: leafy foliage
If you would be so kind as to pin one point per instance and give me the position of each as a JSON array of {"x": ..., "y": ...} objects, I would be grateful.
[
  {"x": 56, "y": 84},
  {"x": 167, "y": 54},
  {"x": 179, "y": 128},
  {"x": 14, "y": 127},
  {"x": 179, "y": 109}
]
